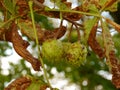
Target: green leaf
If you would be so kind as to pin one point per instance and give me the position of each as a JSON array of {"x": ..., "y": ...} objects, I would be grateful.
[
  {"x": 36, "y": 84},
  {"x": 93, "y": 9},
  {"x": 102, "y": 2},
  {"x": 88, "y": 25},
  {"x": 10, "y": 6}
]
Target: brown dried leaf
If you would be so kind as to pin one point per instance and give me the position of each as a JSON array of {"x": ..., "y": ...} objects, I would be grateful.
[
  {"x": 56, "y": 14},
  {"x": 23, "y": 8},
  {"x": 111, "y": 59},
  {"x": 74, "y": 16},
  {"x": 108, "y": 42},
  {"x": 26, "y": 29},
  {"x": 52, "y": 34},
  {"x": 24, "y": 82},
  {"x": 19, "y": 84},
  {"x": 6, "y": 35},
  {"x": 41, "y": 1},
  {"x": 115, "y": 69},
  {"x": 94, "y": 44},
  {"x": 21, "y": 49},
  {"x": 68, "y": 4}
]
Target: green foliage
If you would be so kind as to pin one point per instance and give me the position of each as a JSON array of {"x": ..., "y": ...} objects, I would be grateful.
[
  {"x": 44, "y": 21},
  {"x": 92, "y": 9},
  {"x": 10, "y": 5},
  {"x": 36, "y": 84}
]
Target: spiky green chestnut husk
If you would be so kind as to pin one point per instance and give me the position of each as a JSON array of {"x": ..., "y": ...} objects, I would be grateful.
[
  {"x": 52, "y": 50},
  {"x": 76, "y": 54},
  {"x": 66, "y": 46}
]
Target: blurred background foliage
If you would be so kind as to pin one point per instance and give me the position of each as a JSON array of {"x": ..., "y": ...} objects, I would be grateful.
[{"x": 88, "y": 76}]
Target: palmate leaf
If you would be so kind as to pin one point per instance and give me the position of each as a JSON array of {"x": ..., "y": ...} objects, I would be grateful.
[{"x": 88, "y": 25}]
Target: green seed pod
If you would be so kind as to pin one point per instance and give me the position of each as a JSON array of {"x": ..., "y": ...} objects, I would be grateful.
[
  {"x": 66, "y": 46},
  {"x": 52, "y": 50},
  {"x": 76, "y": 54}
]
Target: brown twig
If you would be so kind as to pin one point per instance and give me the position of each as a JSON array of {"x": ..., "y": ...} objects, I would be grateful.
[
  {"x": 75, "y": 23},
  {"x": 78, "y": 32},
  {"x": 69, "y": 34},
  {"x": 58, "y": 31}
]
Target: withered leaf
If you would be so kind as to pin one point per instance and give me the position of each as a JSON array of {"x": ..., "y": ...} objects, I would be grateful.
[
  {"x": 27, "y": 83},
  {"x": 115, "y": 69},
  {"x": 27, "y": 29},
  {"x": 93, "y": 42},
  {"x": 74, "y": 16},
  {"x": 51, "y": 34},
  {"x": 111, "y": 59},
  {"x": 6, "y": 35},
  {"x": 19, "y": 84},
  {"x": 41, "y": 1},
  {"x": 21, "y": 49}
]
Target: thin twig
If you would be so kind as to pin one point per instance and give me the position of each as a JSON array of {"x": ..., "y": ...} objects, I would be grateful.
[
  {"x": 75, "y": 23},
  {"x": 59, "y": 29},
  {"x": 69, "y": 34},
  {"x": 78, "y": 32}
]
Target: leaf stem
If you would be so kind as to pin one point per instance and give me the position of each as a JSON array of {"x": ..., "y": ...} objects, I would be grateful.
[
  {"x": 37, "y": 42},
  {"x": 73, "y": 11}
]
